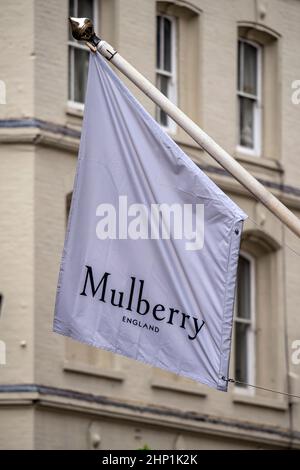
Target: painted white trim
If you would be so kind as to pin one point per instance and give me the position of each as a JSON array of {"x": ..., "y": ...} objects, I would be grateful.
[
  {"x": 172, "y": 92},
  {"x": 256, "y": 151},
  {"x": 78, "y": 45},
  {"x": 251, "y": 334},
  {"x": 75, "y": 105}
]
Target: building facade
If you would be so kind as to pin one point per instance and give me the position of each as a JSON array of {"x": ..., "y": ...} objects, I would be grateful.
[{"x": 234, "y": 68}]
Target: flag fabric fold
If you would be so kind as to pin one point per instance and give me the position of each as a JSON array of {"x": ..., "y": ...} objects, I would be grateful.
[{"x": 150, "y": 258}]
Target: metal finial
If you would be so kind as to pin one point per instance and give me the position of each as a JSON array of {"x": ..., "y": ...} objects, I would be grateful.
[{"x": 83, "y": 30}]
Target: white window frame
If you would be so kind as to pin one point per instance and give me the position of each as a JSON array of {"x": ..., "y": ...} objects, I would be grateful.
[
  {"x": 76, "y": 105},
  {"x": 172, "y": 95},
  {"x": 257, "y": 128},
  {"x": 251, "y": 331}
]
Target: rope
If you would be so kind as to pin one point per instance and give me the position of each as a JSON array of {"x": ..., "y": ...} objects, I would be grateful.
[{"x": 260, "y": 388}]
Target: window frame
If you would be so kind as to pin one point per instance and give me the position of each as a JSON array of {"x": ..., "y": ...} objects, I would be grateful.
[
  {"x": 251, "y": 333},
  {"x": 172, "y": 96},
  {"x": 257, "y": 127},
  {"x": 72, "y": 104}
]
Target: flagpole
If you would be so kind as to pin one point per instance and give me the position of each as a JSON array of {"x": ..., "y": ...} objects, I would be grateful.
[{"x": 82, "y": 29}]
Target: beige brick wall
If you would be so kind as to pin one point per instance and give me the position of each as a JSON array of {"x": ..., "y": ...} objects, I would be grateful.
[
  {"x": 17, "y": 57},
  {"x": 17, "y": 275}
]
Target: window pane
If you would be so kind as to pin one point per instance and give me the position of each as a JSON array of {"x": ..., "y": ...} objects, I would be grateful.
[
  {"x": 239, "y": 78},
  {"x": 72, "y": 12},
  {"x": 163, "y": 86},
  {"x": 85, "y": 9},
  {"x": 71, "y": 59},
  {"x": 167, "y": 44},
  {"x": 68, "y": 205},
  {"x": 244, "y": 289},
  {"x": 246, "y": 122},
  {"x": 158, "y": 41},
  {"x": 241, "y": 366},
  {"x": 81, "y": 71},
  {"x": 250, "y": 69},
  {"x": 163, "y": 118}
]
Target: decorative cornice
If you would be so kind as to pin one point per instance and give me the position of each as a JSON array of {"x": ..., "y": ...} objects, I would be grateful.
[
  {"x": 56, "y": 135},
  {"x": 259, "y": 26},
  {"x": 39, "y": 124},
  {"x": 164, "y": 416},
  {"x": 284, "y": 188}
]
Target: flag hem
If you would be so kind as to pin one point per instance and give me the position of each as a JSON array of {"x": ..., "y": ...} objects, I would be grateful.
[
  {"x": 229, "y": 297},
  {"x": 69, "y": 332}
]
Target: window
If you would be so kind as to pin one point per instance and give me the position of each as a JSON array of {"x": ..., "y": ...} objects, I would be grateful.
[
  {"x": 249, "y": 100},
  {"x": 78, "y": 53},
  {"x": 166, "y": 64},
  {"x": 244, "y": 322}
]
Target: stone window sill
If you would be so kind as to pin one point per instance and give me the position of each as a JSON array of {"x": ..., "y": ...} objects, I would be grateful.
[
  {"x": 260, "y": 402},
  {"x": 178, "y": 387},
  {"x": 75, "y": 109},
  {"x": 262, "y": 162},
  {"x": 85, "y": 369}
]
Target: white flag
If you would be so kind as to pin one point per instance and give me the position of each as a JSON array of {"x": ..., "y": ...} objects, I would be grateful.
[{"x": 150, "y": 258}]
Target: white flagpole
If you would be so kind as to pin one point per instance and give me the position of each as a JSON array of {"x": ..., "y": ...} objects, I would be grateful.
[{"x": 82, "y": 29}]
